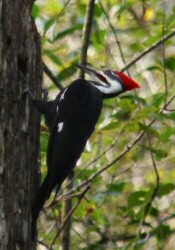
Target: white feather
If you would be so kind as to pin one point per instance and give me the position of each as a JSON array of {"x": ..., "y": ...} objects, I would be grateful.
[
  {"x": 63, "y": 95},
  {"x": 114, "y": 87},
  {"x": 60, "y": 126}
]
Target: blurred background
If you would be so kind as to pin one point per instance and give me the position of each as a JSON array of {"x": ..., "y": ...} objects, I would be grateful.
[{"x": 129, "y": 162}]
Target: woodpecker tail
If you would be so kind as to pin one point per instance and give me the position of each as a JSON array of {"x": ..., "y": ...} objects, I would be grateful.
[{"x": 42, "y": 195}]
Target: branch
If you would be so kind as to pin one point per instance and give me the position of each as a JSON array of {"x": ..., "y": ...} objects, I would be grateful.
[
  {"x": 164, "y": 58},
  {"x": 67, "y": 206},
  {"x": 154, "y": 46},
  {"x": 86, "y": 34},
  {"x": 81, "y": 196},
  {"x": 52, "y": 77},
  {"x": 114, "y": 32},
  {"x": 100, "y": 155},
  {"x": 63, "y": 9},
  {"x": 166, "y": 105},
  {"x": 125, "y": 151},
  {"x": 58, "y": 15},
  {"x": 153, "y": 196}
]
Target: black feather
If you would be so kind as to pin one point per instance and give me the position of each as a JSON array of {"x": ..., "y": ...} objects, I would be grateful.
[{"x": 78, "y": 111}]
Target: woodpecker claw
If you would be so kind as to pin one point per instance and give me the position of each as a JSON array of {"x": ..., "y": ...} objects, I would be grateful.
[
  {"x": 23, "y": 95},
  {"x": 45, "y": 94}
]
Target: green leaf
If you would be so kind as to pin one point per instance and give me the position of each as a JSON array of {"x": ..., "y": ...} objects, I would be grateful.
[
  {"x": 110, "y": 126},
  {"x": 153, "y": 68},
  {"x": 116, "y": 188},
  {"x": 163, "y": 231},
  {"x": 147, "y": 112},
  {"x": 150, "y": 130},
  {"x": 55, "y": 58},
  {"x": 166, "y": 135},
  {"x": 158, "y": 99},
  {"x": 170, "y": 116},
  {"x": 67, "y": 31},
  {"x": 35, "y": 11},
  {"x": 160, "y": 153},
  {"x": 134, "y": 98},
  {"x": 67, "y": 72},
  {"x": 137, "y": 198},
  {"x": 170, "y": 63},
  {"x": 133, "y": 126},
  {"x": 165, "y": 189},
  {"x": 48, "y": 24},
  {"x": 128, "y": 104},
  {"x": 44, "y": 142}
]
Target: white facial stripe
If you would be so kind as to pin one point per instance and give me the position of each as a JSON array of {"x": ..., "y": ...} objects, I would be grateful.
[
  {"x": 60, "y": 126},
  {"x": 112, "y": 72},
  {"x": 114, "y": 87},
  {"x": 57, "y": 109},
  {"x": 96, "y": 79},
  {"x": 63, "y": 94}
]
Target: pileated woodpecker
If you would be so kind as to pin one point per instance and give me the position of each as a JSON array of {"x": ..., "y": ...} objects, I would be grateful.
[{"x": 71, "y": 119}]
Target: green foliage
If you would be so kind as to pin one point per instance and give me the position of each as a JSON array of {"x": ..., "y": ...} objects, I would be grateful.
[{"x": 112, "y": 214}]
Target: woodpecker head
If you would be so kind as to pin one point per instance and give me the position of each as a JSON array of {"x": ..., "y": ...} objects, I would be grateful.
[{"x": 110, "y": 83}]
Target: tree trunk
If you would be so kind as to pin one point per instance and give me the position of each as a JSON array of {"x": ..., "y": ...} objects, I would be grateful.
[{"x": 20, "y": 68}]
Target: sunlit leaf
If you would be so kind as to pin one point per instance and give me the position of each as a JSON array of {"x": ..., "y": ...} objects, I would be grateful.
[
  {"x": 67, "y": 72},
  {"x": 67, "y": 32},
  {"x": 137, "y": 199},
  {"x": 165, "y": 189},
  {"x": 35, "y": 11},
  {"x": 44, "y": 142},
  {"x": 116, "y": 188},
  {"x": 160, "y": 153},
  {"x": 55, "y": 58}
]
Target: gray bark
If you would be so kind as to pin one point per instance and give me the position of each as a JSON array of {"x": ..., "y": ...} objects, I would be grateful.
[{"x": 20, "y": 67}]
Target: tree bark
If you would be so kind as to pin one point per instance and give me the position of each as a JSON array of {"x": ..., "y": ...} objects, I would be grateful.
[{"x": 20, "y": 68}]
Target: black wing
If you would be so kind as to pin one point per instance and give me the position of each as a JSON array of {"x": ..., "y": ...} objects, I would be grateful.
[
  {"x": 78, "y": 113},
  {"x": 78, "y": 110}
]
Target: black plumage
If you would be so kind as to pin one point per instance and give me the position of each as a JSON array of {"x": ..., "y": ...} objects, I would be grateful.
[
  {"x": 77, "y": 109},
  {"x": 71, "y": 119}
]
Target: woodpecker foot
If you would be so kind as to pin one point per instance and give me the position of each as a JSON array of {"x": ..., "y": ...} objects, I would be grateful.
[
  {"x": 27, "y": 92},
  {"x": 24, "y": 95},
  {"x": 44, "y": 94}
]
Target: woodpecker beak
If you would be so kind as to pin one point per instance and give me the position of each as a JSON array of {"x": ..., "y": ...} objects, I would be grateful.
[
  {"x": 110, "y": 81},
  {"x": 97, "y": 76},
  {"x": 87, "y": 69}
]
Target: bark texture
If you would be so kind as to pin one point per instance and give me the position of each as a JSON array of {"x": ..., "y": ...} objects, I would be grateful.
[{"x": 20, "y": 67}]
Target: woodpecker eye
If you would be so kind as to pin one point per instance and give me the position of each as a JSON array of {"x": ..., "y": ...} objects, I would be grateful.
[{"x": 111, "y": 74}]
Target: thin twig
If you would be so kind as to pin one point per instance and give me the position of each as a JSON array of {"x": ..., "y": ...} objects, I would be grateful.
[
  {"x": 166, "y": 105},
  {"x": 67, "y": 206},
  {"x": 81, "y": 196},
  {"x": 72, "y": 195},
  {"x": 114, "y": 32},
  {"x": 148, "y": 205},
  {"x": 154, "y": 46},
  {"x": 63, "y": 9},
  {"x": 58, "y": 15},
  {"x": 164, "y": 58},
  {"x": 125, "y": 151},
  {"x": 86, "y": 34},
  {"x": 52, "y": 77},
  {"x": 100, "y": 155}
]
